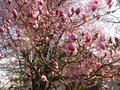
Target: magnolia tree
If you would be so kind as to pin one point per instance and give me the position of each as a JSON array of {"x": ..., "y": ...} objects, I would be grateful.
[{"x": 50, "y": 43}]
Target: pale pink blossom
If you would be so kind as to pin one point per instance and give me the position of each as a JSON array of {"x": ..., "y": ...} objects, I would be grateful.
[
  {"x": 94, "y": 7},
  {"x": 19, "y": 31},
  {"x": 102, "y": 45},
  {"x": 88, "y": 37},
  {"x": 44, "y": 78},
  {"x": 110, "y": 3},
  {"x": 2, "y": 29}
]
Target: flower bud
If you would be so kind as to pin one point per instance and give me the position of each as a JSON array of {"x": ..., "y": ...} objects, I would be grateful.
[
  {"x": 72, "y": 10},
  {"x": 2, "y": 29},
  {"x": 15, "y": 13},
  {"x": 63, "y": 18},
  {"x": 96, "y": 1},
  {"x": 98, "y": 65},
  {"x": 102, "y": 45},
  {"x": 60, "y": 13},
  {"x": 85, "y": 16},
  {"x": 72, "y": 47},
  {"x": 2, "y": 55},
  {"x": 77, "y": 11},
  {"x": 110, "y": 5},
  {"x": 116, "y": 39},
  {"x": 56, "y": 12},
  {"x": 88, "y": 37},
  {"x": 69, "y": 14},
  {"x": 72, "y": 37},
  {"x": 19, "y": 31},
  {"x": 109, "y": 1},
  {"x": 94, "y": 7},
  {"x": 9, "y": 1},
  {"x": 102, "y": 38}
]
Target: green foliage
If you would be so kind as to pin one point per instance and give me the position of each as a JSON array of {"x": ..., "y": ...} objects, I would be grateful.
[{"x": 82, "y": 87}]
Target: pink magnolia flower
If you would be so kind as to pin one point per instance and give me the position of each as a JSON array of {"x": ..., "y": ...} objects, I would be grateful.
[
  {"x": 110, "y": 5},
  {"x": 77, "y": 11},
  {"x": 102, "y": 38},
  {"x": 72, "y": 37},
  {"x": 44, "y": 78},
  {"x": 102, "y": 45},
  {"x": 72, "y": 47},
  {"x": 109, "y": 1},
  {"x": 96, "y": 1},
  {"x": 98, "y": 65},
  {"x": 88, "y": 37},
  {"x": 69, "y": 14},
  {"x": 85, "y": 16},
  {"x": 94, "y": 7},
  {"x": 2, "y": 29},
  {"x": 19, "y": 31}
]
